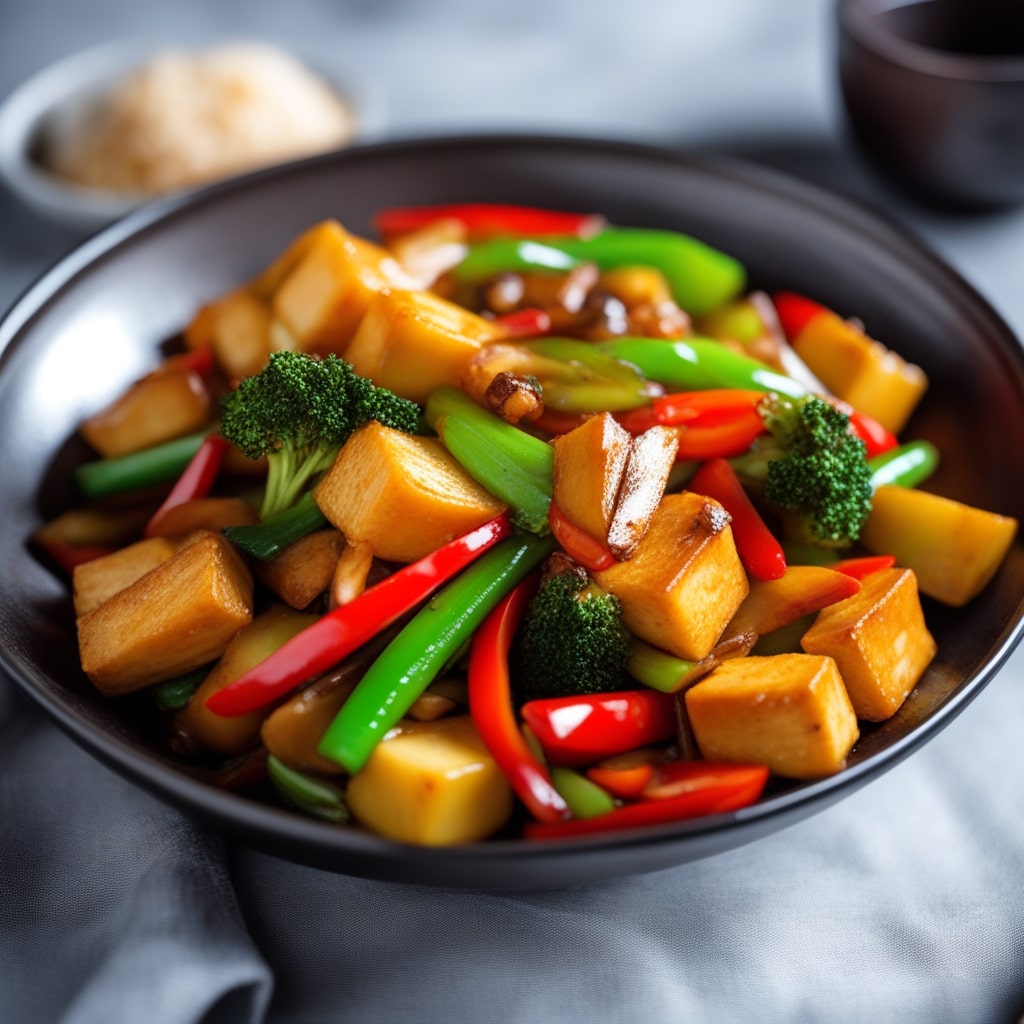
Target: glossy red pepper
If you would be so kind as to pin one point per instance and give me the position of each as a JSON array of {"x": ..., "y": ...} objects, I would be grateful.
[
  {"x": 724, "y": 439},
  {"x": 577, "y": 543},
  {"x": 195, "y": 482},
  {"x": 795, "y": 312},
  {"x": 704, "y": 408},
  {"x": 858, "y": 568},
  {"x": 713, "y": 788},
  {"x": 877, "y": 439},
  {"x": 761, "y": 554},
  {"x": 198, "y": 359},
  {"x": 525, "y": 323},
  {"x": 487, "y": 220},
  {"x": 341, "y": 631},
  {"x": 582, "y": 729},
  {"x": 627, "y": 775},
  {"x": 493, "y": 712}
]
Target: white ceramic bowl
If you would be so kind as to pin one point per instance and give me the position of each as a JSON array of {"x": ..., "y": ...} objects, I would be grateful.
[{"x": 54, "y": 98}]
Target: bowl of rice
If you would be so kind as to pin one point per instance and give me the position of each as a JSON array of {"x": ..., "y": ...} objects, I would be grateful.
[{"x": 101, "y": 132}]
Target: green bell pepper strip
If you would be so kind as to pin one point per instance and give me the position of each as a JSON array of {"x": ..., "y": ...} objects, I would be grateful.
[
  {"x": 174, "y": 694},
  {"x": 513, "y": 465},
  {"x": 907, "y": 465},
  {"x": 276, "y": 532},
  {"x": 699, "y": 364},
  {"x": 306, "y": 793},
  {"x": 586, "y": 799},
  {"x": 420, "y": 651},
  {"x": 105, "y": 477},
  {"x": 700, "y": 277}
]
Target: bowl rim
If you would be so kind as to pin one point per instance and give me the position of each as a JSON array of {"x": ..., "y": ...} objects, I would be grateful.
[
  {"x": 860, "y": 20},
  {"x": 265, "y": 824},
  {"x": 38, "y": 97}
]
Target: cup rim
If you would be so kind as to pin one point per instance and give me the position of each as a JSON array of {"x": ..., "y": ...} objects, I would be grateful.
[{"x": 860, "y": 20}]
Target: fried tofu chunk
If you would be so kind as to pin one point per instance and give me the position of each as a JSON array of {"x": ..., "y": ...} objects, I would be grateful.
[
  {"x": 879, "y": 640},
  {"x": 790, "y": 712},
  {"x": 403, "y": 495},
  {"x": 684, "y": 581},
  {"x": 176, "y": 618},
  {"x": 95, "y": 581}
]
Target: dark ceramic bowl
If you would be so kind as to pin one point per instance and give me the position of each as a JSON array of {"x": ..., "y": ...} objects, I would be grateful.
[
  {"x": 95, "y": 321},
  {"x": 934, "y": 95}
]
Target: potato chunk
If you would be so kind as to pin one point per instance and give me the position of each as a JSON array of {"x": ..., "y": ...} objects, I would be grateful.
[
  {"x": 323, "y": 297},
  {"x": 955, "y": 549},
  {"x": 431, "y": 783},
  {"x": 790, "y": 712},
  {"x": 685, "y": 581},
  {"x": 413, "y": 341},
  {"x": 95, "y": 581},
  {"x": 879, "y": 640},
  {"x": 401, "y": 494},
  {"x": 255, "y": 642},
  {"x": 236, "y": 327},
  {"x": 304, "y": 569},
  {"x": 163, "y": 405},
  {"x": 177, "y": 617},
  {"x": 203, "y": 514}
]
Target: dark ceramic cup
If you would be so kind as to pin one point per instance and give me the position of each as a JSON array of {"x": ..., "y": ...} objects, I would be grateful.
[{"x": 934, "y": 95}]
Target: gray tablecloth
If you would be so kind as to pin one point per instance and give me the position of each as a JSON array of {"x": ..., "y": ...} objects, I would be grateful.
[{"x": 905, "y": 902}]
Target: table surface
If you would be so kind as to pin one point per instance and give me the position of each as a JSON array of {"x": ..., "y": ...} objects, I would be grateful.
[{"x": 904, "y": 902}]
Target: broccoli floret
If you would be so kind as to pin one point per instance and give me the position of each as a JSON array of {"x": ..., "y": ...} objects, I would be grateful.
[
  {"x": 572, "y": 639},
  {"x": 298, "y": 412},
  {"x": 811, "y": 467}
]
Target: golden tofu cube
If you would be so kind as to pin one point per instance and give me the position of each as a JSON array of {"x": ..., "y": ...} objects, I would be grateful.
[
  {"x": 879, "y": 640},
  {"x": 401, "y": 494},
  {"x": 95, "y": 581},
  {"x": 433, "y": 784},
  {"x": 412, "y": 342},
  {"x": 588, "y": 466},
  {"x": 860, "y": 370},
  {"x": 196, "y": 724},
  {"x": 178, "y": 617},
  {"x": 304, "y": 569},
  {"x": 321, "y": 301},
  {"x": 955, "y": 549},
  {"x": 236, "y": 327},
  {"x": 685, "y": 581},
  {"x": 790, "y": 712},
  {"x": 163, "y": 405}
]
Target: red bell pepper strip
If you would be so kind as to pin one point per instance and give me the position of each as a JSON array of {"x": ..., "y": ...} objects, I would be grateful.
[
  {"x": 795, "y": 312},
  {"x": 704, "y": 408},
  {"x": 877, "y": 439},
  {"x": 525, "y": 323},
  {"x": 346, "y": 628},
  {"x": 493, "y": 712},
  {"x": 585, "y": 728},
  {"x": 724, "y": 439},
  {"x": 195, "y": 482},
  {"x": 579, "y": 545},
  {"x": 198, "y": 359},
  {"x": 487, "y": 220},
  {"x": 674, "y": 778},
  {"x": 858, "y": 568},
  {"x": 67, "y": 556},
  {"x": 761, "y": 554},
  {"x": 627, "y": 775},
  {"x": 714, "y": 788}
]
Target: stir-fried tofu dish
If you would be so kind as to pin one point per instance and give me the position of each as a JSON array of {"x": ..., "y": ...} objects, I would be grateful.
[{"x": 511, "y": 522}]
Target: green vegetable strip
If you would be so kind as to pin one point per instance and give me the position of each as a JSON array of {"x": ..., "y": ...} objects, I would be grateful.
[
  {"x": 308, "y": 794},
  {"x": 584, "y": 798},
  {"x": 414, "y": 658},
  {"x": 276, "y": 532},
  {"x": 908, "y": 465},
  {"x": 176, "y": 693},
  {"x": 701, "y": 278},
  {"x": 156, "y": 465},
  {"x": 513, "y": 465},
  {"x": 656, "y": 668},
  {"x": 698, "y": 364}
]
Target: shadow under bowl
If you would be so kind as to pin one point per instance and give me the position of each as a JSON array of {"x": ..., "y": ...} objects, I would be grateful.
[
  {"x": 97, "y": 321},
  {"x": 933, "y": 92}
]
